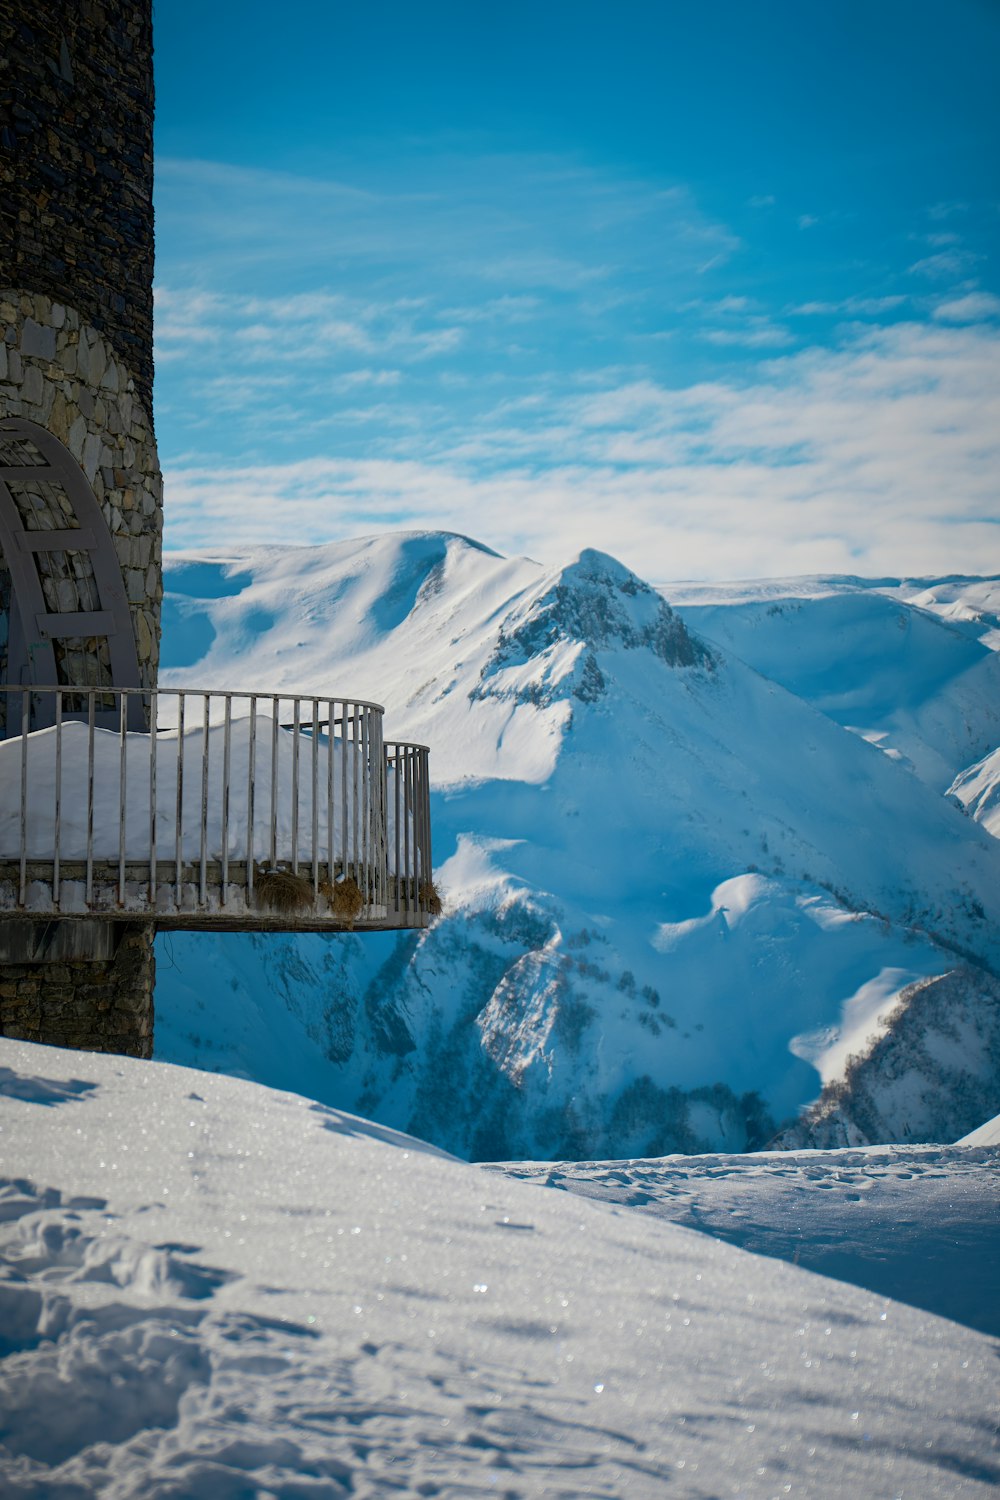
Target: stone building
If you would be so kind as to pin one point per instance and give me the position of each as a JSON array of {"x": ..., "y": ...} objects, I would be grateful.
[{"x": 118, "y": 815}]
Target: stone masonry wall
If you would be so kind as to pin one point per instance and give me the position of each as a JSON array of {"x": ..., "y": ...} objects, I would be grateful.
[
  {"x": 58, "y": 371},
  {"x": 76, "y": 165},
  {"x": 99, "y": 1007},
  {"x": 76, "y": 356},
  {"x": 61, "y": 373}
]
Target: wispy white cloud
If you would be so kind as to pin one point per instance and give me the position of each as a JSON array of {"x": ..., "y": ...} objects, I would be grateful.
[
  {"x": 547, "y": 355},
  {"x": 758, "y": 333},
  {"x": 946, "y": 264},
  {"x": 736, "y": 321},
  {"x": 946, "y": 210},
  {"x": 878, "y": 456},
  {"x": 368, "y": 377},
  {"x": 517, "y": 219},
  {"x": 457, "y": 268},
  {"x": 855, "y": 307},
  {"x": 533, "y": 269},
  {"x": 312, "y": 326},
  {"x": 729, "y": 304},
  {"x": 495, "y": 309},
  {"x": 974, "y": 307}
]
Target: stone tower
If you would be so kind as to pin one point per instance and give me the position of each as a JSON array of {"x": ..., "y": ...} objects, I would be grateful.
[
  {"x": 76, "y": 362},
  {"x": 126, "y": 805}
]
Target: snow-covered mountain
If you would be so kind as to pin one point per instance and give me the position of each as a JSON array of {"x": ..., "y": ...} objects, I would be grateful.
[
  {"x": 906, "y": 666},
  {"x": 678, "y": 892}
]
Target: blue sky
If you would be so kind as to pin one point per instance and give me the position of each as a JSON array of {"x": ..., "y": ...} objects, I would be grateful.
[{"x": 713, "y": 288}]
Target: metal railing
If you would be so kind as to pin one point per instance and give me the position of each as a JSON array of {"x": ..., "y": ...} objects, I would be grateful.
[
  {"x": 233, "y": 809},
  {"x": 409, "y": 826}
]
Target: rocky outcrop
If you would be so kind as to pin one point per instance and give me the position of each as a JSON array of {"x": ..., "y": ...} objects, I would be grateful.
[
  {"x": 933, "y": 1076},
  {"x": 977, "y": 790},
  {"x": 593, "y": 605}
]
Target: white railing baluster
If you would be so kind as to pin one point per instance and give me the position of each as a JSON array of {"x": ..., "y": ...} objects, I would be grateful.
[
  {"x": 408, "y": 825},
  {"x": 91, "y": 710},
  {"x": 356, "y": 728},
  {"x": 410, "y": 865},
  {"x": 378, "y": 819},
  {"x": 383, "y": 853},
  {"x": 179, "y": 805},
  {"x": 315, "y": 798},
  {"x": 226, "y": 753},
  {"x": 366, "y": 821},
  {"x": 377, "y": 775},
  {"x": 331, "y": 847},
  {"x": 122, "y": 790},
  {"x": 425, "y": 802},
  {"x": 343, "y": 790},
  {"x": 23, "y": 840},
  {"x": 251, "y": 793},
  {"x": 396, "y": 791},
  {"x": 274, "y": 782},
  {"x": 58, "y": 809},
  {"x": 152, "y": 799},
  {"x": 295, "y": 787},
  {"x": 203, "y": 830}
]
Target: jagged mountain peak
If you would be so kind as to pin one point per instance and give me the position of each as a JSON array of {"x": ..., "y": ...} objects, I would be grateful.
[
  {"x": 600, "y": 603},
  {"x": 561, "y": 627}
]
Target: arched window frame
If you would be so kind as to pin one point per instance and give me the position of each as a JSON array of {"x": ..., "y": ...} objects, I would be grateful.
[{"x": 34, "y": 624}]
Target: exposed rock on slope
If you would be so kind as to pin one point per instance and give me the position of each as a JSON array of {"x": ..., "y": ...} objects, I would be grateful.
[
  {"x": 978, "y": 790},
  {"x": 933, "y": 1076},
  {"x": 593, "y": 604}
]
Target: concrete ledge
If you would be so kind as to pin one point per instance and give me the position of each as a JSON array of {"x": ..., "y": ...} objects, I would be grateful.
[
  {"x": 54, "y": 941},
  {"x": 185, "y": 903}
]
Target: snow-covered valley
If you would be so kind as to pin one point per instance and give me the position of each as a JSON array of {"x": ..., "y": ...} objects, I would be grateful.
[{"x": 691, "y": 858}]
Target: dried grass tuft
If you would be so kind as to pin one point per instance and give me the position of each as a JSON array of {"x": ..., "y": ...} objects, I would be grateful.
[
  {"x": 345, "y": 898},
  {"x": 282, "y": 890},
  {"x": 430, "y": 897}
]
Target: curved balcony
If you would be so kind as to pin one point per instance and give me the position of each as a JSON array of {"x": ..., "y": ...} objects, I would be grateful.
[{"x": 244, "y": 811}]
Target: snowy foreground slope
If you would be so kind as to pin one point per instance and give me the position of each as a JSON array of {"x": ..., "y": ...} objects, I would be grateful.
[
  {"x": 212, "y": 1290},
  {"x": 679, "y": 893},
  {"x": 917, "y": 1223}
]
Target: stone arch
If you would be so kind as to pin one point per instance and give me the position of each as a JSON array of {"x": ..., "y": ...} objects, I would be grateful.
[{"x": 70, "y": 622}]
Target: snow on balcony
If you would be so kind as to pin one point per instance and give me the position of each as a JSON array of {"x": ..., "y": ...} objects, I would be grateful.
[{"x": 244, "y": 810}]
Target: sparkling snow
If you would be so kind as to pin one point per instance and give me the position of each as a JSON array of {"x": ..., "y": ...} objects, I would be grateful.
[
  {"x": 918, "y": 1223},
  {"x": 213, "y": 1290}
]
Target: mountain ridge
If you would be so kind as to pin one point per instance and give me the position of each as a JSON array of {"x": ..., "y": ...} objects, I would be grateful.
[{"x": 623, "y": 810}]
